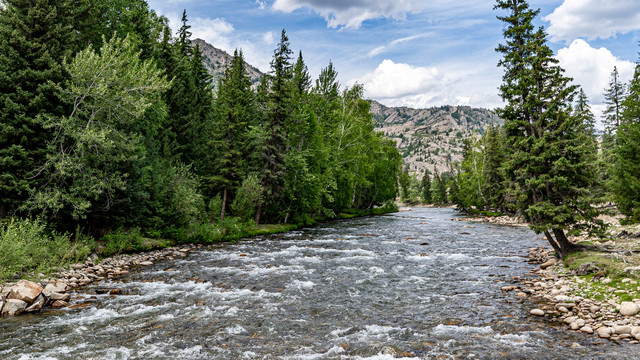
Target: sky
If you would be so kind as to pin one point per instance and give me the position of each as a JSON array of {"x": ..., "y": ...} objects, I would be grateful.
[{"x": 418, "y": 53}]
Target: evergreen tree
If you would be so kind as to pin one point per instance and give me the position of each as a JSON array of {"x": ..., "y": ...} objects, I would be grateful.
[
  {"x": 275, "y": 118},
  {"x": 626, "y": 172},
  {"x": 405, "y": 183},
  {"x": 34, "y": 39},
  {"x": 614, "y": 96},
  {"x": 550, "y": 150},
  {"x": 493, "y": 159},
  {"x": 438, "y": 189},
  {"x": 425, "y": 188},
  {"x": 235, "y": 109}
]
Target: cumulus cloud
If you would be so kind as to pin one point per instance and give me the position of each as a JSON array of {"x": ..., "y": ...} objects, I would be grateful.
[
  {"x": 591, "y": 68},
  {"x": 214, "y": 31},
  {"x": 593, "y": 19},
  {"x": 351, "y": 13}
]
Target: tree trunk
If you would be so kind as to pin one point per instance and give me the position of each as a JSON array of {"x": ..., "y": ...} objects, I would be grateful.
[
  {"x": 224, "y": 203},
  {"x": 560, "y": 243},
  {"x": 258, "y": 214}
]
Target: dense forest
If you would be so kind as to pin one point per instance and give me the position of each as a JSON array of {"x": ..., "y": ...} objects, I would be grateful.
[
  {"x": 547, "y": 163},
  {"x": 109, "y": 120}
]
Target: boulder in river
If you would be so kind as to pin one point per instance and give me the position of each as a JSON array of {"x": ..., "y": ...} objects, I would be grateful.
[
  {"x": 58, "y": 287},
  {"x": 37, "y": 305},
  {"x": 604, "y": 332},
  {"x": 13, "y": 307},
  {"x": 27, "y": 291}
]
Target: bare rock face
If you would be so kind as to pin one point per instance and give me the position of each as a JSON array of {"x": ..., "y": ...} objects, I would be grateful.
[
  {"x": 629, "y": 308},
  {"x": 26, "y": 291},
  {"x": 13, "y": 307}
]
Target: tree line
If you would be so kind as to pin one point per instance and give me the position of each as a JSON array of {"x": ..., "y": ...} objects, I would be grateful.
[
  {"x": 108, "y": 119},
  {"x": 547, "y": 163}
]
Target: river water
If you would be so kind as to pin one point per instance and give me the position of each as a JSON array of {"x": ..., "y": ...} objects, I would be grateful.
[{"x": 413, "y": 284}]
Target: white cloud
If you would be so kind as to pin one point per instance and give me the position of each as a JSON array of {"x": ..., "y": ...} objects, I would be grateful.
[
  {"x": 268, "y": 38},
  {"x": 391, "y": 80},
  {"x": 380, "y": 49},
  {"x": 593, "y": 19},
  {"x": 591, "y": 68},
  {"x": 214, "y": 31},
  {"x": 351, "y": 13},
  {"x": 261, "y": 4}
]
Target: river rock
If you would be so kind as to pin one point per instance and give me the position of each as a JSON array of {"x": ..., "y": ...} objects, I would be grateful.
[
  {"x": 60, "y": 296},
  {"x": 621, "y": 330},
  {"x": 146, "y": 263},
  {"x": 587, "y": 329},
  {"x": 548, "y": 263},
  {"x": 58, "y": 287},
  {"x": 629, "y": 308},
  {"x": 536, "y": 312},
  {"x": 1, "y": 305},
  {"x": 58, "y": 304},
  {"x": 13, "y": 307},
  {"x": 26, "y": 291},
  {"x": 37, "y": 305},
  {"x": 604, "y": 332}
]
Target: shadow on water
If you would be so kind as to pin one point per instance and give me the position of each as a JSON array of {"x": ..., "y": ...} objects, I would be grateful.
[{"x": 413, "y": 284}]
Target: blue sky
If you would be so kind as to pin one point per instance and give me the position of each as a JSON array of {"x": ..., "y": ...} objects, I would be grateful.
[{"x": 418, "y": 53}]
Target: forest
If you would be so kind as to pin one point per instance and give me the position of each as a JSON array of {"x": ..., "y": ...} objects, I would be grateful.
[
  {"x": 548, "y": 163},
  {"x": 110, "y": 128}
]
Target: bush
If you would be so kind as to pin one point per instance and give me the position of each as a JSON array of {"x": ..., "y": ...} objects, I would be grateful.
[
  {"x": 121, "y": 241},
  {"x": 248, "y": 198},
  {"x": 27, "y": 246}
]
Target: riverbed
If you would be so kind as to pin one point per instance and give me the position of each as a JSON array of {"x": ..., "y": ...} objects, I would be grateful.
[{"x": 412, "y": 284}]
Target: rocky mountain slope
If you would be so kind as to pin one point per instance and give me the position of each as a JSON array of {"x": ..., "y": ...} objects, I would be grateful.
[
  {"x": 431, "y": 138},
  {"x": 216, "y": 60}
]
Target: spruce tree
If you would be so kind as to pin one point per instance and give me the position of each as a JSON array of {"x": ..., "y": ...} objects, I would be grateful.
[
  {"x": 550, "y": 151},
  {"x": 425, "y": 188},
  {"x": 626, "y": 172},
  {"x": 493, "y": 159},
  {"x": 34, "y": 39}
]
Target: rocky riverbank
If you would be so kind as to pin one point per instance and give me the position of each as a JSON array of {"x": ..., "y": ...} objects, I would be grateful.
[
  {"x": 62, "y": 291},
  {"x": 557, "y": 293}
]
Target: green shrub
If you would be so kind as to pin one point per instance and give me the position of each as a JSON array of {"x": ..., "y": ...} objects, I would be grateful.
[
  {"x": 27, "y": 246},
  {"x": 122, "y": 241}
]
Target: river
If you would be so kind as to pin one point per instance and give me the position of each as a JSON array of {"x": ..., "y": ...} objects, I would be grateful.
[{"x": 414, "y": 284}]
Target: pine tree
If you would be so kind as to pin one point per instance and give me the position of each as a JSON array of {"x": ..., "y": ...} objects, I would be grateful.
[
  {"x": 614, "y": 96},
  {"x": 34, "y": 39},
  {"x": 493, "y": 159},
  {"x": 550, "y": 151}
]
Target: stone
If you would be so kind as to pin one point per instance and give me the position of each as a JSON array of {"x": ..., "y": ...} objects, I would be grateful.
[
  {"x": 1, "y": 305},
  {"x": 604, "y": 332},
  {"x": 60, "y": 296},
  {"x": 146, "y": 263},
  {"x": 13, "y": 307},
  {"x": 58, "y": 304},
  {"x": 115, "y": 291},
  {"x": 508, "y": 288},
  {"x": 629, "y": 308},
  {"x": 575, "y": 326},
  {"x": 594, "y": 308},
  {"x": 606, "y": 281},
  {"x": 27, "y": 291},
  {"x": 536, "y": 312},
  {"x": 570, "y": 319},
  {"x": 620, "y": 330},
  {"x": 587, "y": 329},
  {"x": 37, "y": 305},
  {"x": 548, "y": 263},
  {"x": 563, "y": 309},
  {"x": 587, "y": 268},
  {"x": 59, "y": 287}
]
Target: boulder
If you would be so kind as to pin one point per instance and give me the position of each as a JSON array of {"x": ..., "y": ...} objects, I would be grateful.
[
  {"x": 620, "y": 330},
  {"x": 60, "y": 296},
  {"x": 587, "y": 329},
  {"x": 13, "y": 307},
  {"x": 629, "y": 308},
  {"x": 59, "y": 287},
  {"x": 37, "y": 305},
  {"x": 24, "y": 290}
]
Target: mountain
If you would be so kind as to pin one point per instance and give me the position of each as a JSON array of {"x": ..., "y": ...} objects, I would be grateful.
[
  {"x": 216, "y": 60},
  {"x": 431, "y": 138}
]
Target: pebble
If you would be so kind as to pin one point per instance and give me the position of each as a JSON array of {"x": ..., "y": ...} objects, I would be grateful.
[{"x": 537, "y": 312}]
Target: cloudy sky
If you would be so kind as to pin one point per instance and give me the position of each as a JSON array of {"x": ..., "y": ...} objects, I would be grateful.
[{"x": 418, "y": 53}]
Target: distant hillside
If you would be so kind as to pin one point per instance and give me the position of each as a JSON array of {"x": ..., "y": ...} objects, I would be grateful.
[
  {"x": 431, "y": 138},
  {"x": 216, "y": 60}
]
